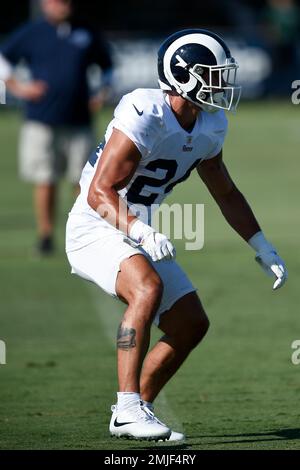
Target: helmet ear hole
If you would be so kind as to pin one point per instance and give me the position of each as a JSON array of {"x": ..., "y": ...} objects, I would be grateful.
[{"x": 181, "y": 75}]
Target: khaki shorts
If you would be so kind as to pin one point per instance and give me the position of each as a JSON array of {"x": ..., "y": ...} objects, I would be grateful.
[{"x": 46, "y": 154}]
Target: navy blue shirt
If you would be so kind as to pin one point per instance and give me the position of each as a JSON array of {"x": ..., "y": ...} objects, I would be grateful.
[{"x": 59, "y": 56}]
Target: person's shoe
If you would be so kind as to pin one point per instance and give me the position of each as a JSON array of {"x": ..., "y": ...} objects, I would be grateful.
[
  {"x": 136, "y": 423},
  {"x": 174, "y": 436},
  {"x": 45, "y": 246}
]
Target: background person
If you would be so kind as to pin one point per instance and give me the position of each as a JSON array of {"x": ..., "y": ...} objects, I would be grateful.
[{"x": 56, "y": 137}]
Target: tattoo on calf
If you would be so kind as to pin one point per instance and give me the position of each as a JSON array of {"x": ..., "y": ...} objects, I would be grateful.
[{"x": 126, "y": 338}]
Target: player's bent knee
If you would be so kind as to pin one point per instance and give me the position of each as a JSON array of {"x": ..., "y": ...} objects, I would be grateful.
[
  {"x": 202, "y": 330},
  {"x": 193, "y": 336},
  {"x": 145, "y": 298},
  {"x": 150, "y": 290}
]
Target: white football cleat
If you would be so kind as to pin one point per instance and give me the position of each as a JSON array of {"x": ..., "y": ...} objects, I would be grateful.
[
  {"x": 136, "y": 423},
  {"x": 175, "y": 436}
]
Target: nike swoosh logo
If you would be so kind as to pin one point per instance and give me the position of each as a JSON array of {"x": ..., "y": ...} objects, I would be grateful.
[
  {"x": 118, "y": 425},
  {"x": 140, "y": 113}
]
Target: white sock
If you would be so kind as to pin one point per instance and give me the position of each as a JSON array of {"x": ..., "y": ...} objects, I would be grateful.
[{"x": 127, "y": 400}]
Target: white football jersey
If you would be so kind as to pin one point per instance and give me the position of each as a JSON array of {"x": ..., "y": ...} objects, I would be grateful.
[{"x": 168, "y": 156}]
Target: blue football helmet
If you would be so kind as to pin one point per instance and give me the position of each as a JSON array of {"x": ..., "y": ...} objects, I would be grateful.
[{"x": 198, "y": 65}]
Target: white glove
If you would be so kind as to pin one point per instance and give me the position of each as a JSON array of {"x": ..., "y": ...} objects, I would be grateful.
[
  {"x": 268, "y": 259},
  {"x": 156, "y": 245}
]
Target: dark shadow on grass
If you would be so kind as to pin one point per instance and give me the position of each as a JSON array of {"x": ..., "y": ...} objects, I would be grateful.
[
  {"x": 281, "y": 435},
  {"x": 161, "y": 447}
]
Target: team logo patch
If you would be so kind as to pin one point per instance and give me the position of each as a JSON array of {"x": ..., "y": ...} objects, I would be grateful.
[{"x": 188, "y": 146}]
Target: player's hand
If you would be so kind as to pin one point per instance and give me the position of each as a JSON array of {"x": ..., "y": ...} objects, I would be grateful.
[
  {"x": 273, "y": 265},
  {"x": 158, "y": 247},
  {"x": 268, "y": 259}
]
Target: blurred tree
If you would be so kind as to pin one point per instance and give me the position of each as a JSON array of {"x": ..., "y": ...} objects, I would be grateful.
[
  {"x": 13, "y": 13},
  {"x": 35, "y": 9},
  {"x": 280, "y": 21}
]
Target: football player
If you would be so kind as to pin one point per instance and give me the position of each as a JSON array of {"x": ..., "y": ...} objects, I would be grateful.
[{"x": 156, "y": 139}]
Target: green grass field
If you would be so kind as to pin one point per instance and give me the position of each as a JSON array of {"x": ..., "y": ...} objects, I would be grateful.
[{"x": 239, "y": 390}]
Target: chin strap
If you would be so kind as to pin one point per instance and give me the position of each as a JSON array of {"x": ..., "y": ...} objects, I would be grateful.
[{"x": 208, "y": 108}]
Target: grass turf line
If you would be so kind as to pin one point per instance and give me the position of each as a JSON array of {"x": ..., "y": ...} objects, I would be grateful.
[{"x": 239, "y": 390}]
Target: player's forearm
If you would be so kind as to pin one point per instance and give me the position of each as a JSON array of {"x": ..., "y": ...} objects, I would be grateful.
[
  {"x": 114, "y": 210},
  {"x": 239, "y": 214},
  {"x": 108, "y": 204}
]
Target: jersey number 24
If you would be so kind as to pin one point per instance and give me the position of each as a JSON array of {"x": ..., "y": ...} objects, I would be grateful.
[{"x": 135, "y": 195}]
